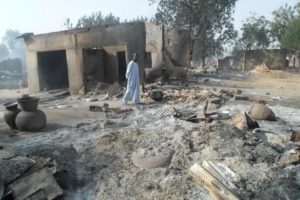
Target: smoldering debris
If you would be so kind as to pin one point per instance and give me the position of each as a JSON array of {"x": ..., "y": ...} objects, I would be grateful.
[{"x": 145, "y": 151}]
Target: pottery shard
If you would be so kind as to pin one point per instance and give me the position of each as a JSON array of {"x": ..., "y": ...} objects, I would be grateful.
[
  {"x": 260, "y": 111},
  {"x": 14, "y": 167},
  {"x": 149, "y": 159},
  {"x": 243, "y": 121}
]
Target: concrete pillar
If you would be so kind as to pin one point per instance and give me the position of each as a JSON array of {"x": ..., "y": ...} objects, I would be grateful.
[
  {"x": 32, "y": 71},
  {"x": 75, "y": 70}
]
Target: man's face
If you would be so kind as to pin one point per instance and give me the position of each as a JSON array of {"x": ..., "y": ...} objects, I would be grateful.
[{"x": 135, "y": 57}]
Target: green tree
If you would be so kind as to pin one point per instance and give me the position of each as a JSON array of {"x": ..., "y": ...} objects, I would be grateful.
[
  {"x": 68, "y": 24},
  {"x": 97, "y": 19},
  {"x": 4, "y": 52},
  {"x": 282, "y": 17},
  {"x": 255, "y": 34},
  {"x": 208, "y": 21},
  {"x": 110, "y": 19},
  {"x": 291, "y": 38}
]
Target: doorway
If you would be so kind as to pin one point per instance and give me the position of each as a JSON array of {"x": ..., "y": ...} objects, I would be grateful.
[
  {"x": 53, "y": 70},
  {"x": 121, "y": 66}
]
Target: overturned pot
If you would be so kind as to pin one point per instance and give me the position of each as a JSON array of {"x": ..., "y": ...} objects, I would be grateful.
[
  {"x": 30, "y": 118},
  {"x": 260, "y": 111},
  {"x": 11, "y": 113}
]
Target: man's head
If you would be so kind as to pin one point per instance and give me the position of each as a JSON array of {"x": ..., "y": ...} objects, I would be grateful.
[{"x": 135, "y": 57}]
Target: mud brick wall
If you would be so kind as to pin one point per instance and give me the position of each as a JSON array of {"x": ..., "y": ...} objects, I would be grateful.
[
  {"x": 275, "y": 59},
  {"x": 130, "y": 35}
]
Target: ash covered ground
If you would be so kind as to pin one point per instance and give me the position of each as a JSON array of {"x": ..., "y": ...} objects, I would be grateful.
[{"x": 93, "y": 151}]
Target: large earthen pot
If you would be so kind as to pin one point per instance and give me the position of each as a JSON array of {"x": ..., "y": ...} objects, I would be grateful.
[
  {"x": 260, "y": 111},
  {"x": 30, "y": 118},
  {"x": 11, "y": 113}
]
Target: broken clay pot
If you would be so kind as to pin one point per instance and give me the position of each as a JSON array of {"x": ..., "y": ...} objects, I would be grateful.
[
  {"x": 155, "y": 160},
  {"x": 243, "y": 121},
  {"x": 260, "y": 111},
  {"x": 11, "y": 113}
]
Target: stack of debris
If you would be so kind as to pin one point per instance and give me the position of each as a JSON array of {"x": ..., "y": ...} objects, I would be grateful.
[
  {"x": 217, "y": 179},
  {"x": 23, "y": 178},
  {"x": 109, "y": 91},
  {"x": 115, "y": 91},
  {"x": 197, "y": 94}
]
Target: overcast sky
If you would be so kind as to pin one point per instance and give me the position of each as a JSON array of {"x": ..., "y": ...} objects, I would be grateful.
[{"x": 41, "y": 16}]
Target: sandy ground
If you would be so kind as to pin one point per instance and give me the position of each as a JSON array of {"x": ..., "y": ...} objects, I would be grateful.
[{"x": 94, "y": 149}]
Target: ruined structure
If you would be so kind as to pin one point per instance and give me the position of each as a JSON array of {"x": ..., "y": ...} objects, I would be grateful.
[
  {"x": 275, "y": 59},
  {"x": 73, "y": 58}
]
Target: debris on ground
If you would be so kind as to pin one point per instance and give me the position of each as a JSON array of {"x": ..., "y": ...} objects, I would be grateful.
[
  {"x": 115, "y": 91},
  {"x": 55, "y": 95},
  {"x": 243, "y": 121},
  {"x": 289, "y": 157},
  {"x": 241, "y": 97},
  {"x": 215, "y": 182},
  {"x": 39, "y": 185},
  {"x": 27, "y": 178},
  {"x": 196, "y": 94},
  {"x": 295, "y": 136},
  {"x": 105, "y": 150},
  {"x": 156, "y": 95}
]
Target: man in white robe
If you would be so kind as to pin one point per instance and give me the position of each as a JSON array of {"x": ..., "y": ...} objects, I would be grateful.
[{"x": 133, "y": 81}]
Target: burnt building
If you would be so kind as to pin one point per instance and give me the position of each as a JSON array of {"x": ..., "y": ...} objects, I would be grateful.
[{"x": 72, "y": 58}]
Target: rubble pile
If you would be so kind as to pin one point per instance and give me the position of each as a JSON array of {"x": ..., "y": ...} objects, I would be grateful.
[
  {"x": 188, "y": 143},
  {"x": 197, "y": 94},
  {"x": 27, "y": 178}
]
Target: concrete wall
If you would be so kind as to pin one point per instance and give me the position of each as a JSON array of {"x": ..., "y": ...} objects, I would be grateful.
[
  {"x": 154, "y": 45},
  {"x": 177, "y": 46},
  {"x": 176, "y": 53},
  {"x": 170, "y": 50},
  {"x": 132, "y": 35},
  {"x": 274, "y": 58}
]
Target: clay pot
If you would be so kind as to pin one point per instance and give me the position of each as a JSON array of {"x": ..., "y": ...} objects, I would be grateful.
[
  {"x": 28, "y": 103},
  {"x": 260, "y": 111},
  {"x": 11, "y": 113},
  {"x": 31, "y": 121},
  {"x": 30, "y": 118}
]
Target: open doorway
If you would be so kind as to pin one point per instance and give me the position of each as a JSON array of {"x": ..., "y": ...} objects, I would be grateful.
[
  {"x": 148, "y": 60},
  {"x": 94, "y": 66},
  {"x": 53, "y": 70},
  {"x": 121, "y": 66}
]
